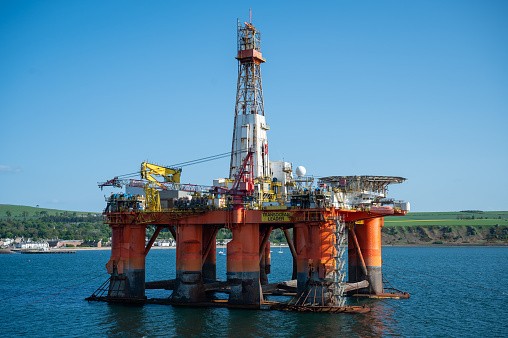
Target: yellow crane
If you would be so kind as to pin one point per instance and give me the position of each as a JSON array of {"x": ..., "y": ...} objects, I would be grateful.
[{"x": 148, "y": 171}]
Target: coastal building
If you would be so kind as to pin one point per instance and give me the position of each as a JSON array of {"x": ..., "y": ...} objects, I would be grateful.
[
  {"x": 166, "y": 243},
  {"x": 223, "y": 241},
  {"x": 58, "y": 243},
  {"x": 40, "y": 245},
  {"x": 6, "y": 242},
  {"x": 94, "y": 244}
]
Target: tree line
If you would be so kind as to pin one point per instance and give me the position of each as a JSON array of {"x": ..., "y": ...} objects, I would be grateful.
[
  {"x": 67, "y": 227},
  {"x": 73, "y": 226}
]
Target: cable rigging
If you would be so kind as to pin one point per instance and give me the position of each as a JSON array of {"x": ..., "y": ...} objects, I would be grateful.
[
  {"x": 71, "y": 287},
  {"x": 203, "y": 159},
  {"x": 391, "y": 273},
  {"x": 186, "y": 163}
]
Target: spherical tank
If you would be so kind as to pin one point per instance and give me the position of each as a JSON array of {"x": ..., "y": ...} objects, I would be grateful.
[{"x": 300, "y": 171}]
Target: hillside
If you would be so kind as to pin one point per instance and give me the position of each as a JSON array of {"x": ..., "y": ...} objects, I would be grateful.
[
  {"x": 40, "y": 223},
  {"x": 447, "y": 228},
  {"x": 22, "y": 211}
]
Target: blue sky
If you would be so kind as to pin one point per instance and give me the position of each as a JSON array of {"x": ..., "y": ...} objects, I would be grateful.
[{"x": 419, "y": 89}]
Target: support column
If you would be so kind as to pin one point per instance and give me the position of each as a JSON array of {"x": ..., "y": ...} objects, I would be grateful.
[
  {"x": 264, "y": 255},
  {"x": 353, "y": 249},
  {"x": 127, "y": 262},
  {"x": 210, "y": 261},
  {"x": 302, "y": 244},
  {"x": 265, "y": 265},
  {"x": 189, "y": 286},
  {"x": 315, "y": 250},
  {"x": 292, "y": 246},
  {"x": 243, "y": 265},
  {"x": 368, "y": 237}
]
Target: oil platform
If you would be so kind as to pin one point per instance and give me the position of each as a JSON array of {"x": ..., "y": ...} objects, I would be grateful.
[{"x": 257, "y": 197}]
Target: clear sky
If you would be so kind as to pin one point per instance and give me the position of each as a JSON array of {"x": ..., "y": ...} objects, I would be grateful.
[{"x": 419, "y": 89}]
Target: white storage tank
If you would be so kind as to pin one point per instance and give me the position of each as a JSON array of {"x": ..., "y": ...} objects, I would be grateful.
[{"x": 300, "y": 171}]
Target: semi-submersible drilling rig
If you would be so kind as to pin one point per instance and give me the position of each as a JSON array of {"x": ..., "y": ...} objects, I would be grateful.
[{"x": 257, "y": 197}]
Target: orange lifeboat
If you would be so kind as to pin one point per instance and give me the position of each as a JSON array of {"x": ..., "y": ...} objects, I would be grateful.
[{"x": 378, "y": 209}]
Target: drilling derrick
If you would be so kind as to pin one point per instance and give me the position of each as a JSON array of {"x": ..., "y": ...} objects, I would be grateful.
[{"x": 249, "y": 131}]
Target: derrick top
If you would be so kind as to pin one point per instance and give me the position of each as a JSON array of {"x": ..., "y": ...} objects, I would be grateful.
[{"x": 249, "y": 44}]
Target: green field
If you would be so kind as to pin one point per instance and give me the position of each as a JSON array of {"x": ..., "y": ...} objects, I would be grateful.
[
  {"x": 33, "y": 212},
  {"x": 476, "y": 218}
]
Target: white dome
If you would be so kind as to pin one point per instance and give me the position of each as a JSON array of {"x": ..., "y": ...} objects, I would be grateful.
[{"x": 300, "y": 171}]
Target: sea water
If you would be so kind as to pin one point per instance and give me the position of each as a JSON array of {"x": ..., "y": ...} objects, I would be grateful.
[{"x": 455, "y": 292}]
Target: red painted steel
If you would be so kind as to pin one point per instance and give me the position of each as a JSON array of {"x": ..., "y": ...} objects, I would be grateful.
[
  {"x": 369, "y": 239},
  {"x": 243, "y": 250},
  {"x": 189, "y": 247},
  {"x": 127, "y": 262},
  {"x": 247, "y": 263},
  {"x": 368, "y": 236}
]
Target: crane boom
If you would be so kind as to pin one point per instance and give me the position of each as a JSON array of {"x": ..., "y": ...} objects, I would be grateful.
[{"x": 148, "y": 171}]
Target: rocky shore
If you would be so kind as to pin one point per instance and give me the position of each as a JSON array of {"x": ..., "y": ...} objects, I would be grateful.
[{"x": 431, "y": 235}]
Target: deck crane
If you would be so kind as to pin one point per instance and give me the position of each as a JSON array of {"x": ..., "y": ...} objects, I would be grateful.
[
  {"x": 243, "y": 185},
  {"x": 148, "y": 171}
]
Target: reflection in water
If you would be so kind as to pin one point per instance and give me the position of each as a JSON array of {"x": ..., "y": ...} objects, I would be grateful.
[
  {"x": 156, "y": 320},
  {"x": 125, "y": 321},
  {"x": 189, "y": 322},
  {"x": 380, "y": 321},
  {"x": 246, "y": 323}
]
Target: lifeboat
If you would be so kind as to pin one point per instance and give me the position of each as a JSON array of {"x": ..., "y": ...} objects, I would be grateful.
[{"x": 378, "y": 209}]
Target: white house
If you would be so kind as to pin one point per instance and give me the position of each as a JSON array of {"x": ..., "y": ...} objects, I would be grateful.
[{"x": 42, "y": 245}]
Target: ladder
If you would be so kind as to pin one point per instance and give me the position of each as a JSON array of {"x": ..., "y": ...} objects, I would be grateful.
[{"x": 339, "y": 274}]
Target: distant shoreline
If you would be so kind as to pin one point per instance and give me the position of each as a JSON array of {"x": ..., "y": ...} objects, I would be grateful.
[{"x": 447, "y": 245}]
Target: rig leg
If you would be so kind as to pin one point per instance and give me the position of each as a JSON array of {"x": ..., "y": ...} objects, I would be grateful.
[
  {"x": 243, "y": 265},
  {"x": 265, "y": 265},
  {"x": 291, "y": 244},
  {"x": 210, "y": 259},
  {"x": 127, "y": 262},
  {"x": 189, "y": 287},
  {"x": 315, "y": 250},
  {"x": 368, "y": 239}
]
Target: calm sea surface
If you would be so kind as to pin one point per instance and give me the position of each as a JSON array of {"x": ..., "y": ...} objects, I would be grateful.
[{"x": 437, "y": 307}]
